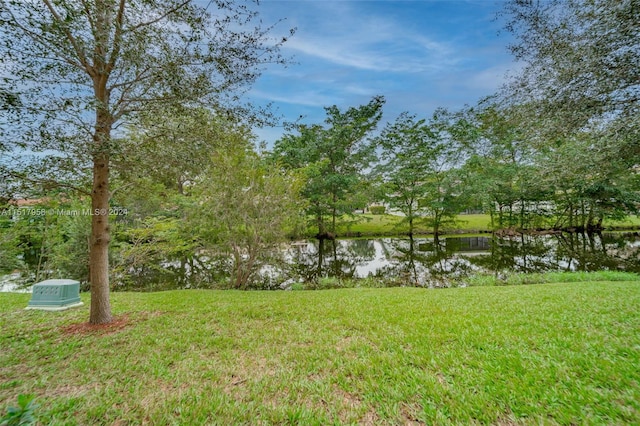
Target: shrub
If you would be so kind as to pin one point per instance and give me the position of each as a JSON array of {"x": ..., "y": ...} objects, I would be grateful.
[
  {"x": 377, "y": 209},
  {"x": 22, "y": 415}
]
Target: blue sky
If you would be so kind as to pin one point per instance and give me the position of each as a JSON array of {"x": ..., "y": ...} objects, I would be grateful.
[{"x": 419, "y": 54}]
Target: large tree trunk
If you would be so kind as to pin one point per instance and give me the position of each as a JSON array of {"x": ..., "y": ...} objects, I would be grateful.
[
  {"x": 100, "y": 234},
  {"x": 99, "y": 250}
]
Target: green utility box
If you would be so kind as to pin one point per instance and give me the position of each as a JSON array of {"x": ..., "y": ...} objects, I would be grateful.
[{"x": 55, "y": 295}]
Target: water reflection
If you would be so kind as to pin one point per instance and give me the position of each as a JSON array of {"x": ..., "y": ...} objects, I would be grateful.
[
  {"x": 435, "y": 262},
  {"x": 398, "y": 261}
]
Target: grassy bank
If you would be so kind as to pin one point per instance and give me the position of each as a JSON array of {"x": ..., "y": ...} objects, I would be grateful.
[
  {"x": 366, "y": 225},
  {"x": 543, "y": 354},
  {"x": 390, "y": 225}
]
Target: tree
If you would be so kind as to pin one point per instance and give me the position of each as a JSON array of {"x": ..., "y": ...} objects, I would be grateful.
[
  {"x": 503, "y": 164},
  {"x": 150, "y": 152},
  {"x": 405, "y": 154},
  {"x": 85, "y": 67},
  {"x": 580, "y": 82},
  {"x": 419, "y": 168},
  {"x": 586, "y": 188},
  {"x": 245, "y": 209},
  {"x": 333, "y": 158},
  {"x": 445, "y": 183},
  {"x": 9, "y": 245},
  {"x": 581, "y": 60}
]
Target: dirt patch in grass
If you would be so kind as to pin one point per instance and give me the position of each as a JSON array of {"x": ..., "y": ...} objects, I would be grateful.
[
  {"x": 119, "y": 323},
  {"x": 370, "y": 418},
  {"x": 70, "y": 391},
  {"x": 348, "y": 399},
  {"x": 344, "y": 343},
  {"x": 507, "y": 420},
  {"x": 409, "y": 414},
  {"x": 349, "y": 403},
  {"x": 159, "y": 391}
]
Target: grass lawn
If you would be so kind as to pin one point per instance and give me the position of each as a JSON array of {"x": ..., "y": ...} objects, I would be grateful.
[
  {"x": 537, "y": 354},
  {"x": 368, "y": 225},
  {"x": 628, "y": 222},
  {"x": 381, "y": 225}
]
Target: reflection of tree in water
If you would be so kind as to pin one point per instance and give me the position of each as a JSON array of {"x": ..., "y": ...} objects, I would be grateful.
[
  {"x": 406, "y": 266},
  {"x": 364, "y": 250},
  {"x": 595, "y": 251},
  {"x": 522, "y": 253},
  {"x": 423, "y": 263},
  {"x": 413, "y": 262},
  {"x": 194, "y": 271},
  {"x": 562, "y": 252},
  {"x": 437, "y": 262},
  {"x": 331, "y": 258}
]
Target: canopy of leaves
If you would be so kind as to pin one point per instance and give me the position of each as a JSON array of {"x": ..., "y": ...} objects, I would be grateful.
[
  {"x": 140, "y": 53},
  {"x": 581, "y": 69},
  {"x": 244, "y": 209},
  {"x": 333, "y": 157}
]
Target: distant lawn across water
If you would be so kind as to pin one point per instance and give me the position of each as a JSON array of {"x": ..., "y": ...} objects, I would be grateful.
[
  {"x": 391, "y": 225},
  {"x": 538, "y": 354},
  {"x": 370, "y": 225}
]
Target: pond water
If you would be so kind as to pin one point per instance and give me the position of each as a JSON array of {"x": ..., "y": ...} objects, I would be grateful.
[
  {"x": 12, "y": 283},
  {"x": 428, "y": 261},
  {"x": 418, "y": 261}
]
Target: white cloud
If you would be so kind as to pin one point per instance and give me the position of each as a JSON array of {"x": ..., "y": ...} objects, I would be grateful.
[
  {"x": 490, "y": 79},
  {"x": 352, "y": 38},
  {"x": 357, "y": 89},
  {"x": 305, "y": 98},
  {"x": 420, "y": 55}
]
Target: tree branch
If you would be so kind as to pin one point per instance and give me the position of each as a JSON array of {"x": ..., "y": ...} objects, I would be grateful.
[
  {"x": 44, "y": 42},
  {"x": 51, "y": 182},
  {"x": 117, "y": 38},
  {"x": 158, "y": 19},
  {"x": 76, "y": 46},
  {"x": 87, "y": 11}
]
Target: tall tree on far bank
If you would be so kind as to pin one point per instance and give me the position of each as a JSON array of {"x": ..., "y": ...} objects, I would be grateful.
[
  {"x": 333, "y": 158},
  {"x": 84, "y": 67},
  {"x": 503, "y": 165},
  {"x": 420, "y": 169},
  {"x": 405, "y": 155},
  {"x": 446, "y": 183}
]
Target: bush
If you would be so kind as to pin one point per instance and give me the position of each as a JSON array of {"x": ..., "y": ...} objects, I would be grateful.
[
  {"x": 23, "y": 414},
  {"x": 377, "y": 209}
]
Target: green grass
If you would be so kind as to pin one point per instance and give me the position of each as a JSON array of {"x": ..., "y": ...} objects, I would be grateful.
[
  {"x": 628, "y": 222},
  {"x": 381, "y": 225},
  {"x": 367, "y": 225},
  {"x": 547, "y": 277},
  {"x": 543, "y": 354},
  {"x": 471, "y": 223}
]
